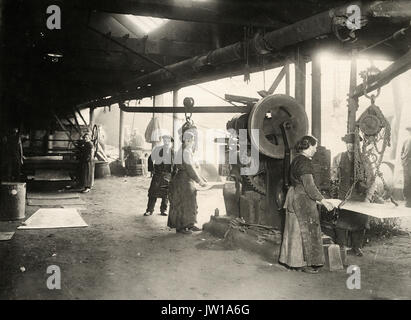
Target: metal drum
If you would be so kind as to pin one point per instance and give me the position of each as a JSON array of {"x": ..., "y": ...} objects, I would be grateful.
[{"x": 12, "y": 201}]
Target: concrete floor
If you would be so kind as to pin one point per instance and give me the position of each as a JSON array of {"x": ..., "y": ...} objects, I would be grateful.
[{"x": 124, "y": 255}]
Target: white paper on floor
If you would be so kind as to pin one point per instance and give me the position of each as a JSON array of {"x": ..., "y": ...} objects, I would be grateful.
[
  {"x": 4, "y": 236},
  {"x": 46, "y": 218}
]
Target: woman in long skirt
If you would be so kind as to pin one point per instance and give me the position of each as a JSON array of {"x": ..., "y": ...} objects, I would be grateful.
[
  {"x": 182, "y": 190},
  {"x": 302, "y": 243}
]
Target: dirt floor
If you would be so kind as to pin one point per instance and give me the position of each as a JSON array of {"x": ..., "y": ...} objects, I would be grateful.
[{"x": 124, "y": 255}]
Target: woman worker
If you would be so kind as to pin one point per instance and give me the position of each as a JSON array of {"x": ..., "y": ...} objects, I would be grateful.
[
  {"x": 182, "y": 190},
  {"x": 302, "y": 243}
]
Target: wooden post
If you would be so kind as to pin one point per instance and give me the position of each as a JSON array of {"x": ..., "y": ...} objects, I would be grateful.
[
  {"x": 396, "y": 123},
  {"x": 352, "y": 102},
  {"x": 91, "y": 118},
  {"x": 176, "y": 122},
  {"x": 316, "y": 98},
  {"x": 287, "y": 78},
  {"x": 300, "y": 79},
  {"x": 121, "y": 138}
]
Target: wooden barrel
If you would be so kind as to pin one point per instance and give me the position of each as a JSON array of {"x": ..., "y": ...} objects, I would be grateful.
[
  {"x": 12, "y": 201},
  {"x": 101, "y": 169},
  {"x": 135, "y": 169}
]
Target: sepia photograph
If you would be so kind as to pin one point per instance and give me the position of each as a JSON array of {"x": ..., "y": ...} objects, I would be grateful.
[{"x": 205, "y": 155}]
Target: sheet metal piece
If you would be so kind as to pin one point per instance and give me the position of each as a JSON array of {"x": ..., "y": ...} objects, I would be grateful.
[{"x": 381, "y": 211}]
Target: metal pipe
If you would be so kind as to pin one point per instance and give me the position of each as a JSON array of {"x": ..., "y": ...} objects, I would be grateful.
[
  {"x": 222, "y": 109},
  {"x": 275, "y": 41}
]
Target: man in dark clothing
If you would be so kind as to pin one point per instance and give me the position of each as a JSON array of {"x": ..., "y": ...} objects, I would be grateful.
[
  {"x": 12, "y": 156},
  {"x": 342, "y": 174},
  {"x": 406, "y": 165},
  {"x": 87, "y": 163},
  {"x": 160, "y": 164}
]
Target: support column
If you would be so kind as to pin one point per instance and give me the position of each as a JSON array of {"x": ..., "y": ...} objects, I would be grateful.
[
  {"x": 352, "y": 102},
  {"x": 316, "y": 98},
  {"x": 121, "y": 138},
  {"x": 300, "y": 79},
  {"x": 157, "y": 101},
  {"x": 176, "y": 122},
  {"x": 287, "y": 78},
  {"x": 91, "y": 118}
]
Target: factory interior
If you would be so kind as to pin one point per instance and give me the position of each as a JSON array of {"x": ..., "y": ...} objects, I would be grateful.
[{"x": 91, "y": 90}]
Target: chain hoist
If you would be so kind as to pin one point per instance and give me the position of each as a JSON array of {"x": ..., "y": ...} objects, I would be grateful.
[{"x": 372, "y": 137}]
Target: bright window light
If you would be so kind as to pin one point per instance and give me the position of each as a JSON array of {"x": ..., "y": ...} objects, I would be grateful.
[{"x": 147, "y": 24}]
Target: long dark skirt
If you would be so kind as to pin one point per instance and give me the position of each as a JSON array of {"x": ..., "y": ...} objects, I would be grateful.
[
  {"x": 87, "y": 174},
  {"x": 183, "y": 202},
  {"x": 302, "y": 226}
]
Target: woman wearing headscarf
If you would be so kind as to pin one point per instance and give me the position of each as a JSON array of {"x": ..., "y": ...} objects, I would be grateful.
[
  {"x": 182, "y": 190},
  {"x": 302, "y": 243}
]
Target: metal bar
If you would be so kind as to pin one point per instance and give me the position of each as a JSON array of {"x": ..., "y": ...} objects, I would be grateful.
[
  {"x": 398, "y": 67},
  {"x": 277, "y": 81},
  {"x": 50, "y": 140},
  {"x": 223, "y": 109},
  {"x": 280, "y": 76},
  {"x": 240, "y": 99}
]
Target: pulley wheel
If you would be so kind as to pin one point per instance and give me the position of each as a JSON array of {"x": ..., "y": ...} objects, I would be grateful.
[
  {"x": 268, "y": 115},
  {"x": 370, "y": 125}
]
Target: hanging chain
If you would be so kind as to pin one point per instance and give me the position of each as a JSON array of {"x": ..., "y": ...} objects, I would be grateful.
[{"x": 367, "y": 161}]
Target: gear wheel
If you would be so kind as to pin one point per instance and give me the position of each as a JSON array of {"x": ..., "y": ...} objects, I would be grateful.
[{"x": 256, "y": 182}]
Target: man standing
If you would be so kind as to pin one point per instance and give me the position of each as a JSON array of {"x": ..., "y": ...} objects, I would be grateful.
[
  {"x": 12, "y": 155},
  {"x": 406, "y": 165},
  {"x": 348, "y": 222},
  {"x": 160, "y": 164},
  {"x": 87, "y": 163}
]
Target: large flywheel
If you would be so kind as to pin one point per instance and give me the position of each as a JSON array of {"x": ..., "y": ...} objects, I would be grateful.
[{"x": 267, "y": 117}]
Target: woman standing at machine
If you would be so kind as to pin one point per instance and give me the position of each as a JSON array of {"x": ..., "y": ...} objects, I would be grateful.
[
  {"x": 182, "y": 190},
  {"x": 302, "y": 244}
]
